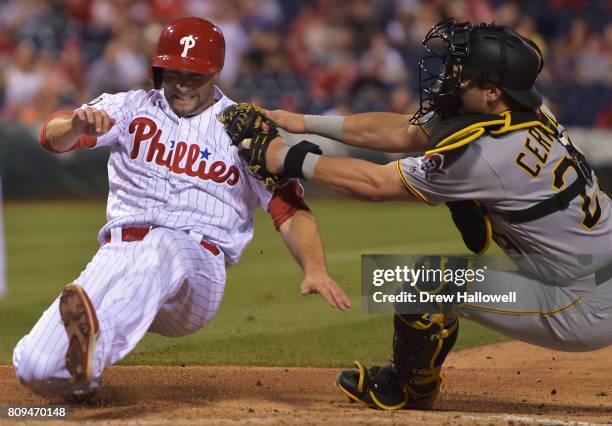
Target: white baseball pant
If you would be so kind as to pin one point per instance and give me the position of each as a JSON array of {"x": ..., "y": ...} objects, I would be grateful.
[{"x": 167, "y": 283}]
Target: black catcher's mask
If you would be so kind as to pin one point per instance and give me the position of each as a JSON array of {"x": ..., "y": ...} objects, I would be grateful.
[{"x": 486, "y": 53}]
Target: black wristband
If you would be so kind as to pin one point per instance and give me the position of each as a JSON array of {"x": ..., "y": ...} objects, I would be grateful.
[{"x": 295, "y": 158}]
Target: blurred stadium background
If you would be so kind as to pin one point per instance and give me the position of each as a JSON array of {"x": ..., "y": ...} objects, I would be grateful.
[{"x": 314, "y": 56}]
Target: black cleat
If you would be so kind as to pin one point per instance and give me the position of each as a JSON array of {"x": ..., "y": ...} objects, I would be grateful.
[{"x": 380, "y": 387}]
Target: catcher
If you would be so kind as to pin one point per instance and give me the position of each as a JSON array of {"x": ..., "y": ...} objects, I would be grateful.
[{"x": 507, "y": 171}]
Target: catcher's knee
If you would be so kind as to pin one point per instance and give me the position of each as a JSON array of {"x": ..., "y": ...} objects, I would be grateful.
[
  {"x": 581, "y": 343},
  {"x": 597, "y": 342}
]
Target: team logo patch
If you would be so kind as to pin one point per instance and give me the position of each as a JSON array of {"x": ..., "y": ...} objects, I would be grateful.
[
  {"x": 188, "y": 42},
  {"x": 431, "y": 165}
]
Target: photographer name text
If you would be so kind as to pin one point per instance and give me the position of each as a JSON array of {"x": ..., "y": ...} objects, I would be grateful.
[{"x": 457, "y": 298}]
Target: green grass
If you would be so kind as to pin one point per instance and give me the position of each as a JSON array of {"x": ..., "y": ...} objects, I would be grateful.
[{"x": 263, "y": 319}]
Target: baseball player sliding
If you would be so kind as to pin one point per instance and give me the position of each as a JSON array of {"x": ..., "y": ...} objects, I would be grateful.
[
  {"x": 180, "y": 209},
  {"x": 508, "y": 172}
]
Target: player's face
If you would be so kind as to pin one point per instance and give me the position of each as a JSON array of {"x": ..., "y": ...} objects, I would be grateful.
[
  {"x": 473, "y": 97},
  {"x": 480, "y": 98},
  {"x": 188, "y": 93}
]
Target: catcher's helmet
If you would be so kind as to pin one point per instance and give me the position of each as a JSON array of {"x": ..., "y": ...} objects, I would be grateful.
[
  {"x": 486, "y": 52},
  {"x": 191, "y": 44}
]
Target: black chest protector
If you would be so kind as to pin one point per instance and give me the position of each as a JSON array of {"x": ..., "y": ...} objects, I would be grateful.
[{"x": 470, "y": 216}]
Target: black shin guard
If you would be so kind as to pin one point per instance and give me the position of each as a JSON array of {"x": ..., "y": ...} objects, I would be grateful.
[{"x": 420, "y": 346}]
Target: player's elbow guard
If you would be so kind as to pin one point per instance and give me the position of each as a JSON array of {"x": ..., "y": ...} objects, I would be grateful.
[
  {"x": 59, "y": 140},
  {"x": 45, "y": 138},
  {"x": 285, "y": 202}
]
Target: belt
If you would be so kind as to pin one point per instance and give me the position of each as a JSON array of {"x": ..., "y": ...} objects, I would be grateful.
[
  {"x": 604, "y": 274},
  {"x": 138, "y": 234}
]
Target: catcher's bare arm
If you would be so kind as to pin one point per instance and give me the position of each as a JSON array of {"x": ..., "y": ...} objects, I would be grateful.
[
  {"x": 63, "y": 131},
  {"x": 380, "y": 131},
  {"x": 301, "y": 235},
  {"x": 353, "y": 177},
  {"x": 271, "y": 159},
  {"x": 362, "y": 179}
]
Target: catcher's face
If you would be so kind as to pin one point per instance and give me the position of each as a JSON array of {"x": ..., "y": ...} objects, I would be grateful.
[
  {"x": 188, "y": 93},
  {"x": 480, "y": 98}
]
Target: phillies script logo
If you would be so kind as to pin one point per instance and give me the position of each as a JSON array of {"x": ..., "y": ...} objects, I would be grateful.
[{"x": 144, "y": 129}]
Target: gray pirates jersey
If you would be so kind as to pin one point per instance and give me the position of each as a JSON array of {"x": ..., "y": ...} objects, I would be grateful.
[{"x": 506, "y": 167}]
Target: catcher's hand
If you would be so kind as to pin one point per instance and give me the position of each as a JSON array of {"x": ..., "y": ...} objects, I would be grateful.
[{"x": 252, "y": 133}]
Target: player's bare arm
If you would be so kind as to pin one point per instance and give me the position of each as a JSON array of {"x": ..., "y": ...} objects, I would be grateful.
[
  {"x": 350, "y": 176},
  {"x": 63, "y": 131},
  {"x": 361, "y": 179},
  {"x": 270, "y": 157},
  {"x": 301, "y": 235},
  {"x": 380, "y": 131}
]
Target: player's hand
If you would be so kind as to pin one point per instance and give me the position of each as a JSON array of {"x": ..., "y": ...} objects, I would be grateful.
[
  {"x": 91, "y": 122},
  {"x": 290, "y": 121},
  {"x": 326, "y": 287}
]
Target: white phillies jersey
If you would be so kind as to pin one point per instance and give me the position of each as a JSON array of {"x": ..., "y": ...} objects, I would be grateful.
[{"x": 177, "y": 172}]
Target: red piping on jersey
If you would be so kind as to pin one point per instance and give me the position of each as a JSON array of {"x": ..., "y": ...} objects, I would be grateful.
[
  {"x": 285, "y": 201},
  {"x": 83, "y": 142}
]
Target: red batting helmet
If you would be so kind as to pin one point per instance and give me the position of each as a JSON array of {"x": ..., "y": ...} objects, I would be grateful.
[{"x": 191, "y": 44}]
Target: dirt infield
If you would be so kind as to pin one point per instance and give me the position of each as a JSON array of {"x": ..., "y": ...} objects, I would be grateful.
[{"x": 509, "y": 383}]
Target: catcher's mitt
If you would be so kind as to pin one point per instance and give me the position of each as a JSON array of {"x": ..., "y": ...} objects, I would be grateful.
[{"x": 252, "y": 132}]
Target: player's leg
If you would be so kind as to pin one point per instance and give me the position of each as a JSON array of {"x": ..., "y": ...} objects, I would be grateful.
[
  {"x": 167, "y": 265},
  {"x": 40, "y": 358},
  {"x": 194, "y": 305},
  {"x": 128, "y": 283},
  {"x": 198, "y": 298},
  {"x": 420, "y": 346},
  {"x": 577, "y": 317},
  {"x": 573, "y": 318},
  {"x": 422, "y": 339}
]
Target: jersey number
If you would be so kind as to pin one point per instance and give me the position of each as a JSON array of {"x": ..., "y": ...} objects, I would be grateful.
[{"x": 590, "y": 219}]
